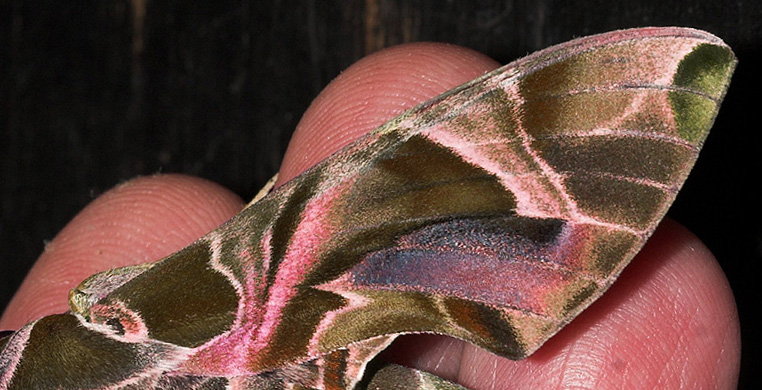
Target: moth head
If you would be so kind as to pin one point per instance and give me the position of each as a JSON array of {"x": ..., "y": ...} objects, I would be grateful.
[{"x": 98, "y": 286}]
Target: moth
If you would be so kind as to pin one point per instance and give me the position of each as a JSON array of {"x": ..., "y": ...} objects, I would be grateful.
[{"x": 494, "y": 213}]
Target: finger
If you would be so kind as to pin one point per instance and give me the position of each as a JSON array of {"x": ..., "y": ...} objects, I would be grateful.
[
  {"x": 372, "y": 91},
  {"x": 139, "y": 221},
  {"x": 669, "y": 321}
]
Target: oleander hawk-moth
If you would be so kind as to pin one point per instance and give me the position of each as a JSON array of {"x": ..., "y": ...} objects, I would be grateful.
[{"x": 494, "y": 213}]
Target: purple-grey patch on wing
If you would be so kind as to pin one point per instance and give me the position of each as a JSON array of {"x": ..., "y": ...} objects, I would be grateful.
[{"x": 508, "y": 261}]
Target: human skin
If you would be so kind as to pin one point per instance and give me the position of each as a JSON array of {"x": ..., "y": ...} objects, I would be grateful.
[{"x": 670, "y": 320}]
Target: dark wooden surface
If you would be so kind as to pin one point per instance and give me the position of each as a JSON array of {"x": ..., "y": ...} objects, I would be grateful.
[{"x": 99, "y": 92}]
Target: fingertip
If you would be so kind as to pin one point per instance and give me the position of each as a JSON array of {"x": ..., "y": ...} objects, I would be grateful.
[
  {"x": 668, "y": 321},
  {"x": 374, "y": 90},
  {"x": 676, "y": 316},
  {"x": 141, "y": 220},
  {"x": 704, "y": 322}
]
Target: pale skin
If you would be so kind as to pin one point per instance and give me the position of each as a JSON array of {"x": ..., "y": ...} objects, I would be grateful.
[{"x": 670, "y": 321}]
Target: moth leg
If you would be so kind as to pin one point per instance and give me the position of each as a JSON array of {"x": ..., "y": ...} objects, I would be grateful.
[
  {"x": 395, "y": 377},
  {"x": 264, "y": 191}
]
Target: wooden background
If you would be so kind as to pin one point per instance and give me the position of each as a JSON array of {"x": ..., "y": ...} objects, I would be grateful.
[{"x": 99, "y": 92}]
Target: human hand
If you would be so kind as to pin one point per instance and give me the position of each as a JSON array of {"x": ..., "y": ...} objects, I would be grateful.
[{"x": 668, "y": 322}]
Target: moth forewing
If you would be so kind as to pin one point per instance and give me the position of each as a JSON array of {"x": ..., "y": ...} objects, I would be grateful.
[{"x": 494, "y": 213}]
